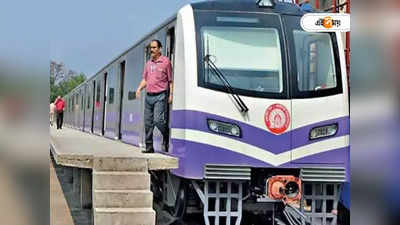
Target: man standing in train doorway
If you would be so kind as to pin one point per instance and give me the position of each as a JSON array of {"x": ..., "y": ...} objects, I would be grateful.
[{"x": 157, "y": 79}]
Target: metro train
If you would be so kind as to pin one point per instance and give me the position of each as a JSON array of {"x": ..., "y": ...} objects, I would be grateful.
[{"x": 259, "y": 119}]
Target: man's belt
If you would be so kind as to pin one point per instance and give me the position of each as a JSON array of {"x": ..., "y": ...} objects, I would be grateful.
[{"x": 155, "y": 93}]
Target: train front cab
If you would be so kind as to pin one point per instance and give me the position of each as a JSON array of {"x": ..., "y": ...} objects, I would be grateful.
[{"x": 293, "y": 145}]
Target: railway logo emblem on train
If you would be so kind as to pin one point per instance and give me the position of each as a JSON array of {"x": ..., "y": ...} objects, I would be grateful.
[{"x": 277, "y": 118}]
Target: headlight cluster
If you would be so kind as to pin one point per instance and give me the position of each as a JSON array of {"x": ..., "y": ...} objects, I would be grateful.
[
  {"x": 224, "y": 128},
  {"x": 323, "y": 131}
]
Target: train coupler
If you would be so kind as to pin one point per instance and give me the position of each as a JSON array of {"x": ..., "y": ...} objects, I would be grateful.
[{"x": 285, "y": 188}]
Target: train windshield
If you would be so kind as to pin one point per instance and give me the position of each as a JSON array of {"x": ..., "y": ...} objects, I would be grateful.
[
  {"x": 250, "y": 58},
  {"x": 316, "y": 64},
  {"x": 315, "y": 61},
  {"x": 247, "y": 49}
]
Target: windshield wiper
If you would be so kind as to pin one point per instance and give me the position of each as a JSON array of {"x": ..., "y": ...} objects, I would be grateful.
[{"x": 224, "y": 81}]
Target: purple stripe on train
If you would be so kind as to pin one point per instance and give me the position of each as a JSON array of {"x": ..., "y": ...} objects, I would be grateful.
[
  {"x": 109, "y": 133},
  {"x": 111, "y": 118},
  {"x": 194, "y": 156},
  {"x": 300, "y": 136},
  {"x": 196, "y": 120},
  {"x": 111, "y": 123},
  {"x": 131, "y": 137},
  {"x": 131, "y": 118},
  {"x": 134, "y": 138}
]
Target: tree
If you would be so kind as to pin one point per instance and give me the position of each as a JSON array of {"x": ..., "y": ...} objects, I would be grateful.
[{"x": 64, "y": 87}]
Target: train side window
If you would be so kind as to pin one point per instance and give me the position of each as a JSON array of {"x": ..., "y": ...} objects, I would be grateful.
[
  {"x": 73, "y": 102},
  {"x": 76, "y": 102},
  {"x": 82, "y": 102},
  {"x": 111, "y": 95},
  {"x": 98, "y": 94},
  {"x": 131, "y": 95},
  {"x": 88, "y": 101},
  {"x": 315, "y": 61}
]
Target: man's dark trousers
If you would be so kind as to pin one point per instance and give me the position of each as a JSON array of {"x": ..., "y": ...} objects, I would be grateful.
[
  {"x": 156, "y": 114},
  {"x": 60, "y": 118}
]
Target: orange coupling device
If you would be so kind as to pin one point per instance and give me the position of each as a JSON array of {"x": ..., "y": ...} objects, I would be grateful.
[{"x": 285, "y": 188}]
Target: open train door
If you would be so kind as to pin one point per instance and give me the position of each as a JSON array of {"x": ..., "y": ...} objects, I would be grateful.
[{"x": 170, "y": 53}]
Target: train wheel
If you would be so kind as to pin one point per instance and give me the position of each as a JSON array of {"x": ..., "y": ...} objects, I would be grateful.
[
  {"x": 156, "y": 188},
  {"x": 180, "y": 204}
]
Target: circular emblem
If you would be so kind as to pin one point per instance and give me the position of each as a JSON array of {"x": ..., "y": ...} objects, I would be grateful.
[{"x": 277, "y": 118}]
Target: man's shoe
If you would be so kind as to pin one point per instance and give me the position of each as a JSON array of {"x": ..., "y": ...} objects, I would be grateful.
[
  {"x": 164, "y": 148},
  {"x": 147, "y": 151},
  {"x": 149, "y": 148}
]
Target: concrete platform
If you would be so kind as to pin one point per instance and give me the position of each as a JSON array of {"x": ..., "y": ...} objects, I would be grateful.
[
  {"x": 75, "y": 148},
  {"x": 111, "y": 177}
]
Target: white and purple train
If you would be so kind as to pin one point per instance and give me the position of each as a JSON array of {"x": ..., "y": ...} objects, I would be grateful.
[{"x": 259, "y": 119}]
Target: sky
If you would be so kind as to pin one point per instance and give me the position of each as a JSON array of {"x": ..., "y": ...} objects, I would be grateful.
[{"x": 86, "y": 35}]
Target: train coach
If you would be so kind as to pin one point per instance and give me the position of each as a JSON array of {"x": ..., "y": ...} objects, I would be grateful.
[{"x": 259, "y": 118}]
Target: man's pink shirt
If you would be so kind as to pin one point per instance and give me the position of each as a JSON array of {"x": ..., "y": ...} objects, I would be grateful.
[{"x": 157, "y": 74}]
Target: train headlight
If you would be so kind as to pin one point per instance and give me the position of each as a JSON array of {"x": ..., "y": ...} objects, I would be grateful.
[
  {"x": 235, "y": 131},
  {"x": 324, "y": 131},
  {"x": 224, "y": 128}
]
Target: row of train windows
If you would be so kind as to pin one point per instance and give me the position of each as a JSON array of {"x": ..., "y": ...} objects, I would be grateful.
[
  {"x": 111, "y": 94},
  {"x": 131, "y": 94},
  {"x": 111, "y": 97},
  {"x": 71, "y": 102}
]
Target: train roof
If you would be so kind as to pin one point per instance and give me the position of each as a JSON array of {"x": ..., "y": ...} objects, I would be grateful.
[
  {"x": 247, "y": 6},
  {"x": 218, "y": 5}
]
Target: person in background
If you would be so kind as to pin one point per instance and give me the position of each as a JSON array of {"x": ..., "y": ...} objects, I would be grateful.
[
  {"x": 52, "y": 111},
  {"x": 60, "y": 105},
  {"x": 306, "y": 6}
]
